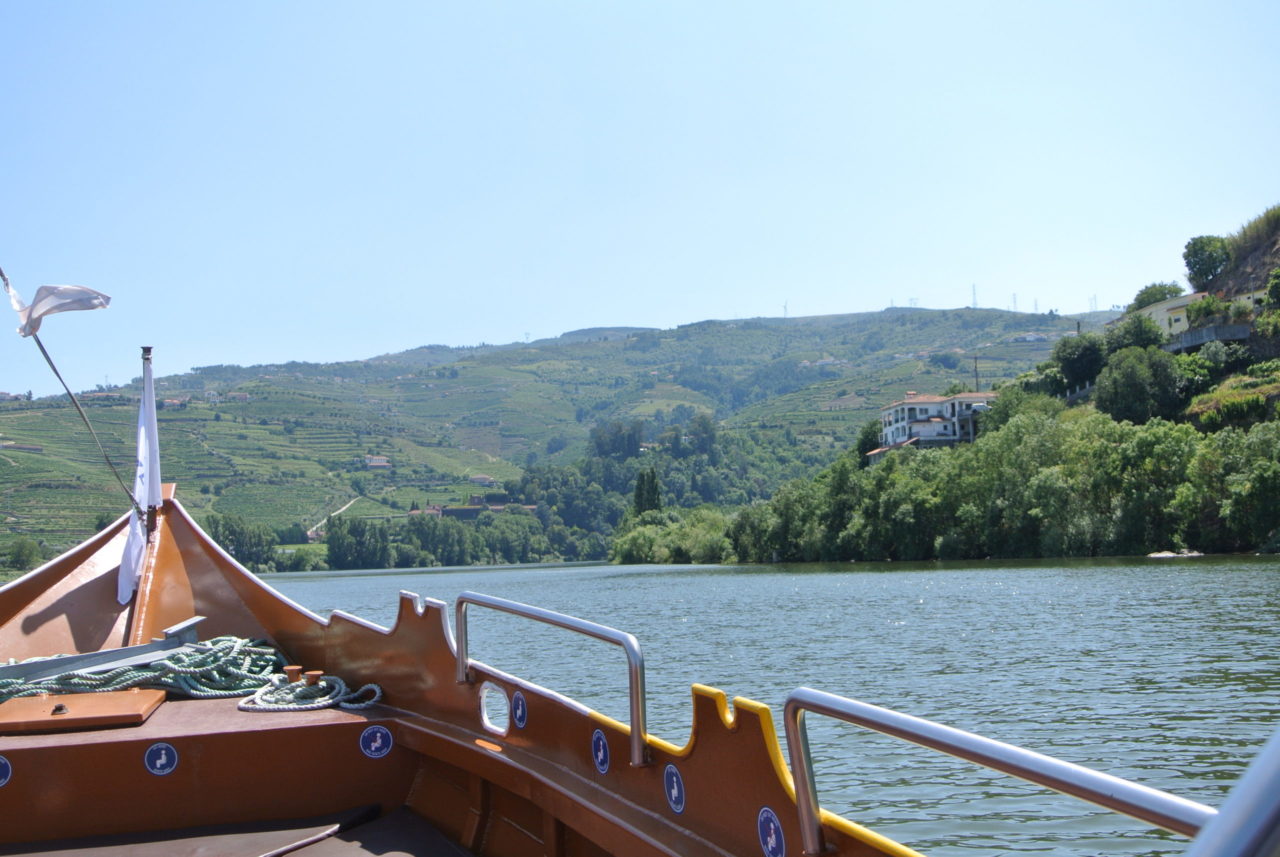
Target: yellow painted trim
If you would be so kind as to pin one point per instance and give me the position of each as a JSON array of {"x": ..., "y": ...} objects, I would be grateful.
[
  {"x": 669, "y": 748},
  {"x": 606, "y": 720},
  {"x": 773, "y": 748},
  {"x": 829, "y": 819},
  {"x": 722, "y": 704},
  {"x": 652, "y": 740},
  {"x": 875, "y": 840}
]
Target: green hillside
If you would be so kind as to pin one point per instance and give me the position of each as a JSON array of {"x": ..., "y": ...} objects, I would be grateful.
[{"x": 288, "y": 443}]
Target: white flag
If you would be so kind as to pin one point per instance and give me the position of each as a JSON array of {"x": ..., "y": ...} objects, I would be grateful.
[
  {"x": 146, "y": 489},
  {"x": 51, "y": 299}
]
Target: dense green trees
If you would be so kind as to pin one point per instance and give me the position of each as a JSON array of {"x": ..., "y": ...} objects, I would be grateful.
[
  {"x": 1080, "y": 358},
  {"x": 1206, "y": 309},
  {"x": 24, "y": 553},
  {"x": 441, "y": 541},
  {"x": 1134, "y": 330},
  {"x": 693, "y": 535},
  {"x": 1073, "y": 484},
  {"x": 1140, "y": 383},
  {"x": 648, "y": 496},
  {"x": 643, "y": 491},
  {"x": 357, "y": 543},
  {"x": 1231, "y": 495},
  {"x": 1153, "y": 294},
  {"x": 510, "y": 536},
  {"x": 1017, "y": 400},
  {"x": 868, "y": 439},
  {"x": 252, "y": 544},
  {"x": 1206, "y": 256},
  {"x": 294, "y": 534}
]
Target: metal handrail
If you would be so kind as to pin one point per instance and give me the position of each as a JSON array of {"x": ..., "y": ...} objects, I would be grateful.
[
  {"x": 629, "y": 644},
  {"x": 1141, "y": 802}
]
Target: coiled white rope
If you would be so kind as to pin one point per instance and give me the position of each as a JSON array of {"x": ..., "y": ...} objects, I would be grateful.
[{"x": 284, "y": 695}]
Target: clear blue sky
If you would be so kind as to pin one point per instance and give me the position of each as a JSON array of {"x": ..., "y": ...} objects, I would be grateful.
[{"x": 262, "y": 182}]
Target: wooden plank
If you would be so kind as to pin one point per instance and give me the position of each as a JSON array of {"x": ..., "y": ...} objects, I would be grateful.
[{"x": 64, "y": 712}]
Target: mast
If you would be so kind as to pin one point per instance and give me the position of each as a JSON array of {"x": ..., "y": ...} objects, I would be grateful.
[
  {"x": 146, "y": 488},
  {"x": 150, "y": 497}
]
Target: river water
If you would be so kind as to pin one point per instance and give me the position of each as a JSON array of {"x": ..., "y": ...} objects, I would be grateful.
[{"x": 1162, "y": 671}]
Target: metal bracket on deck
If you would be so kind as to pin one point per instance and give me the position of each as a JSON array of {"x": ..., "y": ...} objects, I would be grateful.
[{"x": 180, "y": 637}]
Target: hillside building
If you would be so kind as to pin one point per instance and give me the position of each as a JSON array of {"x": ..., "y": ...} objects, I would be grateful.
[
  {"x": 927, "y": 421},
  {"x": 1170, "y": 314}
]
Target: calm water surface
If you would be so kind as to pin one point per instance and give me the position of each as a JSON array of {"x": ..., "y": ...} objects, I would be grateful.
[{"x": 1166, "y": 672}]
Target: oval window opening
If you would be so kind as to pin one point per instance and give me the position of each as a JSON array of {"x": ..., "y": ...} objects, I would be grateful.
[{"x": 495, "y": 708}]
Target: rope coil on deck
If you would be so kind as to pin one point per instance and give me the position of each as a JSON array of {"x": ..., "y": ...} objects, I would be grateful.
[
  {"x": 283, "y": 695},
  {"x": 222, "y": 667}
]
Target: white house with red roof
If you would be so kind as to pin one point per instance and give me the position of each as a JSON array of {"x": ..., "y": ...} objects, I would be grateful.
[{"x": 925, "y": 420}]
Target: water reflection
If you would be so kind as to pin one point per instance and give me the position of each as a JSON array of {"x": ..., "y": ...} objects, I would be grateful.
[{"x": 1164, "y": 672}]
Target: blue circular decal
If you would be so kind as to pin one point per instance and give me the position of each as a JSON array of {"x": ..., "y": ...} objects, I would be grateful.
[
  {"x": 6, "y": 770},
  {"x": 160, "y": 759},
  {"x": 673, "y": 784},
  {"x": 600, "y": 751},
  {"x": 519, "y": 710},
  {"x": 376, "y": 742},
  {"x": 770, "y": 830}
]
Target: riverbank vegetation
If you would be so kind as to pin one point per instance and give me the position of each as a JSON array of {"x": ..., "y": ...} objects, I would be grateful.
[{"x": 1075, "y": 483}]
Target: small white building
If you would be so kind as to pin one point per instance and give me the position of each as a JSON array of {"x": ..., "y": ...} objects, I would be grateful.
[
  {"x": 1170, "y": 314},
  {"x": 925, "y": 420}
]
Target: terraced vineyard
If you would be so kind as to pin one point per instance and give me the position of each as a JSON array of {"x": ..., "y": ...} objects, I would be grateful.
[{"x": 285, "y": 444}]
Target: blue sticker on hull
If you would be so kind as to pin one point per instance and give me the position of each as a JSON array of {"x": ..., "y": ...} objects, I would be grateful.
[
  {"x": 160, "y": 759},
  {"x": 519, "y": 710},
  {"x": 673, "y": 784},
  {"x": 600, "y": 751},
  {"x": 6, "y": 770},
  {"x": 376, "y": 742},
  {"x": 770, "y": 830}
]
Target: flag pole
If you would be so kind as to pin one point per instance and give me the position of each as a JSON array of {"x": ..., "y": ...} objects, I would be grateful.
[
  {"x": 149, "y": 426},
  {"x": 146, "y": 488}
]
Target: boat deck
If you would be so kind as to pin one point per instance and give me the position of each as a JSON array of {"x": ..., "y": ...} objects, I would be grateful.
[
  {"x": 400, "y": 834},
  {"x": 200, "y": 777},
  {"x": 182, "y": 718}
]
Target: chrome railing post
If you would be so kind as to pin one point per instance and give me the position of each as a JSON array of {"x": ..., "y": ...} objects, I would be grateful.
[
  {"x": 630, "y": 646},
  {"x": 1118, "y": 795},
  {"x": 460, "y": 636},
  {"x": 802, "y": 771}
]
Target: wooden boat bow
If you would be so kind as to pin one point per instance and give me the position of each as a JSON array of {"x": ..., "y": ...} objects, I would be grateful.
[{"x": 537, "y": 788}]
